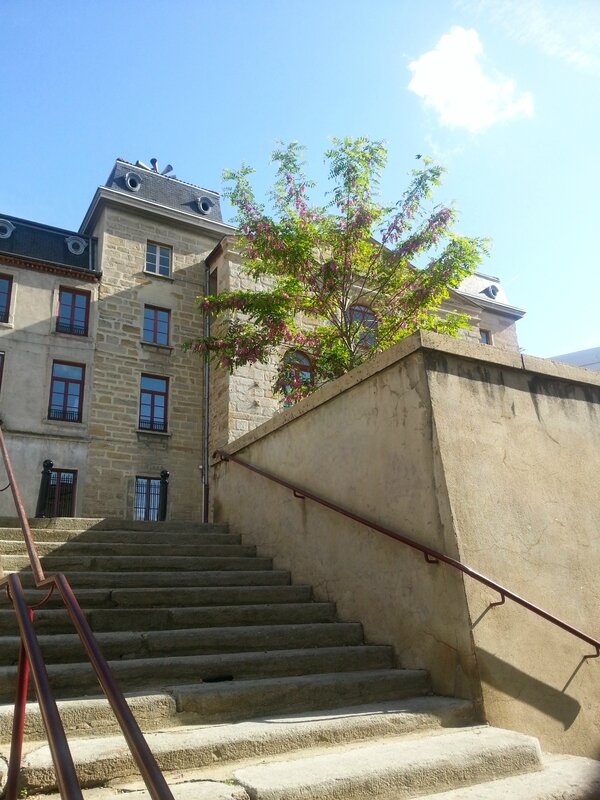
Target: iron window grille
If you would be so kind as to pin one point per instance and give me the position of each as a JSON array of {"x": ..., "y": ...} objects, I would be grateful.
[
  {"x": 157, "y": 323},
  {"x": 6, "y": 282},
  {"x": 60, "y": 499},
  {"x": 154, "y": 395},
  {"x": 150, "y": 499},
  {"x": 158, "y": 259},
  {"x": 73, "y": 312},
  {"x": 66, "y": 391}
]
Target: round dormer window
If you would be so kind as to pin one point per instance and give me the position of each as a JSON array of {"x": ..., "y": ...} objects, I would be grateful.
[
  {"x": 491, "y": 291},
  {"x": 204, "y": 205},
  {"x": 6, "y": 229},
  {"x": 133, "y": 181},
  {"x": 76, "y": 245}
]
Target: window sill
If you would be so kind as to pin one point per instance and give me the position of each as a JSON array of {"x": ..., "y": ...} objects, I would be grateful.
[
  {"x": 63, "y": 422},
  {"x": 6, "y": 325},
  {"x": 158, "y": 275},
  {"x": 167, "y": 349},
  {"x": 85, "y": 337},
  {"x": 145, "y": 432}
]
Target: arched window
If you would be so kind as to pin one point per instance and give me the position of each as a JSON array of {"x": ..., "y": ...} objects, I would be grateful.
[
  {"x": 299, "y": 365},
  {"x": 364, "y": 317},
  {"x": 296, "y": 374}
]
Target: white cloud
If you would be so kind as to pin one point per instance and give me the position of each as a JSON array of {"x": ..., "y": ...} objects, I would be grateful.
[
  {"x": 565, "y": 29},
  {"x": 451, "y": 80}
]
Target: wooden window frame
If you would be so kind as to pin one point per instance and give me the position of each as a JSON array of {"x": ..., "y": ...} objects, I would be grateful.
[
  {"x": 71, "y": 326},
  {"x": 155, "y": 310},
  {"x": 150, "y": 424},
  {"x": 153, "y": 263},
  {"x": 5, "y": 313},
  {"x": 63, "y": 413}
]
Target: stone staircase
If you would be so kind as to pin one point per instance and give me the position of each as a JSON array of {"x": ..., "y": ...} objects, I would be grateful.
[{"x": 246, "y": 687}]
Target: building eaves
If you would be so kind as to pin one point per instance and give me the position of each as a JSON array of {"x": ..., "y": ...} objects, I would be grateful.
[
  {"x": 493, "y": 305},
  {"x": 107, "y": 196},
  {"x": 36, "y": 243}
]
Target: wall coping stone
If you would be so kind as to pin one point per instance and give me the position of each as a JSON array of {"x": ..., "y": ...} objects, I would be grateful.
[{"x": 424, "y": 341}]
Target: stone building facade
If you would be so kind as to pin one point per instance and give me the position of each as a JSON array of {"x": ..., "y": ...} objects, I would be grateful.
[{"x": 91, "y": 331}]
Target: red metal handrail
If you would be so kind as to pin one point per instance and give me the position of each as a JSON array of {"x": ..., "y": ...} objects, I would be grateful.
[
  {"x": 431, "y": 556},
  {"x": 31, "y": 658}
]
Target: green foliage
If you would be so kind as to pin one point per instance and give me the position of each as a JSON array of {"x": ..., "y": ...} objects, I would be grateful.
[{"x": 324, "y": 260}]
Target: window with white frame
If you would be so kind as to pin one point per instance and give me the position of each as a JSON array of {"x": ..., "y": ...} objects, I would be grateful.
[{"x": 158, "y": 259}]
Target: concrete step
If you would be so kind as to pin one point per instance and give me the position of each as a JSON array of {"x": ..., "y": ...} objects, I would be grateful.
[
  {"x": 184, "y": 596},
  {"x": 77, "y": 547},
  {"x": 109, "y": 580},
  {"x": 67, "y": 648},
  {"x": 67, "y": 563},
  {"x": 217, "y": 703},
  {"x": 73, "y": 680},
  {"x": 196, "y": 790},
  {"x": 215, "y": 534},
  {"x": 397, "y": 768},
  {"x": 56, "y": 620},
  {"x": 101, "y": 760}
]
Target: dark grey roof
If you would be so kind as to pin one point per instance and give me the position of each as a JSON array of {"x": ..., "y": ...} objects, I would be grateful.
[
  {"x": 37, "y": 242},
  {"x": 167, "y": 191}
]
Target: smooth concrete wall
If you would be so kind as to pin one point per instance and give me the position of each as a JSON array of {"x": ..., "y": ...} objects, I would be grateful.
[
  {"x": 489, "y": 456},
  {"x": 520, "y": 449},
  {"x": 366, "y": 442}
]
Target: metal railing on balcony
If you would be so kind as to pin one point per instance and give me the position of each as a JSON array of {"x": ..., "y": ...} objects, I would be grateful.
[
  {"x": 31, "y": 661},
  {"x": 74, "y": 328},
  {"x": 431, "y": 556},
  {"x": 64, "y": 414}
]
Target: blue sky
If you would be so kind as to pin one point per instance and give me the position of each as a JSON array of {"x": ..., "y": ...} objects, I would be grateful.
[{"x": 504, "y": 93}]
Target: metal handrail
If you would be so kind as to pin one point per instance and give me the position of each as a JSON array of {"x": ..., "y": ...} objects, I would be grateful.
[
  {"x": 31, "y": 657},
  {"x": 431, "y": 556}
]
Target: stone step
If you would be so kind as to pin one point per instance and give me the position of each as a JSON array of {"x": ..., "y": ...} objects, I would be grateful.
[
  {"x": 92, "y": 716},
  {"x": 184, "y": 596},
  {"x": 101, "y": 760},
  {"x": 73, "y": 680},
  {"x": 232, "y": 701},
  {"x": 216, "y": 534},
  {"x": 77, "y": 547},
  {"x": 56, "y": 620},
  {"x": 109, "y": 580},
  {"x": 396, "y": 768},
  {"x": 196, "y": 790},
  {"x": 562, "y": 778},
  {"x": 228, "y": 701},
  {"x": 67, "y": 648},
  {"x": 113, "y": 524},
  {"x": 141, "y": 563}
]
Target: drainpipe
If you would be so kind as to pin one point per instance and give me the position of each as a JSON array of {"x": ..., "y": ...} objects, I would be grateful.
[
  {"x": 213, "y": 258},
  {"x": 205, "y": 400}
]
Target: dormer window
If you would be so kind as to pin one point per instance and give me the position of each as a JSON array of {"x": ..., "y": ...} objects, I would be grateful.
[
  {"x": 491, "y": 291},
  {"x": 158, "y": 259}
]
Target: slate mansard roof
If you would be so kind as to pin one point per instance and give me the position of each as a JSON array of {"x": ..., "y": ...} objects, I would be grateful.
[
  {"x": 148, "y": 184},
  {"x": 43, "y": 245}
]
